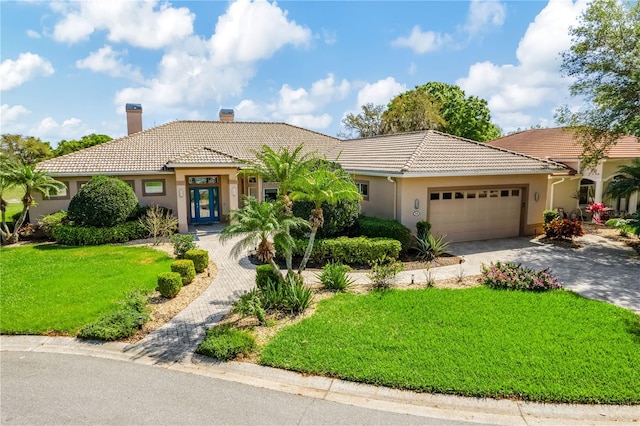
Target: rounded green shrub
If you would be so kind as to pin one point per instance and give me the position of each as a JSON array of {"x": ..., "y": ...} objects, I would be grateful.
[
  {"x": 169, "y": 284},
  {"x": 373, "y": 227},
  {"x": 225, "y": 343},
  {"x": 186, "y": 270},
  {"x": 200, "y": 259},
  {"x": 264, "y": 273},
  {"x": 103, "y": 202}
]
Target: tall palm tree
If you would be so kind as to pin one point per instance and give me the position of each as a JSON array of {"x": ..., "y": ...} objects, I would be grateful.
[
  {"x": 258, "y": 223},
  {"x": 322, "y": 186},
  {"x": 284, "y": 166},
  {"x": 32, "y": 181},
  {"x": 627, "y": 183}
]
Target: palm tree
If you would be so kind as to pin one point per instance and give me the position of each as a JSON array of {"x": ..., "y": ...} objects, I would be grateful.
[
  {"x": 5, "y": 184},
  {"x": 627, "y": 183},
  {"x": 31, "y": 180},
  {"x": 284, "y": 166},
  {"x": 258, "y": 222},
  {"x": 322, "y": 186}
]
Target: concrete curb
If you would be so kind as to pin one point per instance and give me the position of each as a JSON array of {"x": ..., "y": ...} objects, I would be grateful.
[{"x": 449, "y": 407}]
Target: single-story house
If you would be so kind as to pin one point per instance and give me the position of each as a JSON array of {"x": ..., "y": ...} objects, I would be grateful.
[
  {"x": 587, "y": 185},
  {"x": 466, "y": 189}
]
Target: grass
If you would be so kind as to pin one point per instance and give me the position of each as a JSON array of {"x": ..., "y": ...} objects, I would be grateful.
[
  {"x": 554, "y": 346},
  {"x": 13, "y": 208},
  {"x": 53, "y": 289}
]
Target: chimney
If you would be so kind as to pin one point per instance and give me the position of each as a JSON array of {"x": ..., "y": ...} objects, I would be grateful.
[
  {"x": 134, "y": 118},
  {"x": 226, "y": 115}
]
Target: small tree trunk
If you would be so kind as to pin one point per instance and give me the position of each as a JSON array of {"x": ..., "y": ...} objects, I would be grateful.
[
  {"x": 307, "y": 252},
  {"x": 288, "y": 255},
  {"x": 276, "y": 269},
  {"x": 15, "y": 236}
]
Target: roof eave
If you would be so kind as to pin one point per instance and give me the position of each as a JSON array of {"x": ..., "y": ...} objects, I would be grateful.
[
  {"x": 458, "y": 173},
  {"x": 203, "y": 165},
  {"x": 110, "y": 173}
]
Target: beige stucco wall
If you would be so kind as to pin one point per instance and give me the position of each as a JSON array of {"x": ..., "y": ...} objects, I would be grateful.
[
  {"x": 48, "y": 206},
  {"x": 381, "y": 196}
]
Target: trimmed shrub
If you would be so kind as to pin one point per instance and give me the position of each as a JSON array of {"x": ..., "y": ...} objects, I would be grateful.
[
  {"x": 424, "y": 228},
  {"x": 334, "y": 276},
  {"x": 265, "y": 273},
  {"x": 71, "y": 235},
  {"x": 185, "y": 268},
  {"x": 226, "y": 343},
  {"x": 338, "y": 218},
  {"x": 200, "y": 259},
  {"x": 50, "y": 221},
  {"x": 103, "y": 202},
  {"x": 375, "y": 227},
  {"x": 182, "y": 243},
  {"x": 349, "y": 251},
  {"x": 124, "y": 322},
  {"x": 563, "y": 229},
  {"x": 550, "y": 215},
  {"x": 511, "y": 276},
  {"x": 169, "y": 284}
]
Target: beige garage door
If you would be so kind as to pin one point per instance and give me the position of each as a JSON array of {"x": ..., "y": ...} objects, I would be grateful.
[{"x": 475, "y": 214}]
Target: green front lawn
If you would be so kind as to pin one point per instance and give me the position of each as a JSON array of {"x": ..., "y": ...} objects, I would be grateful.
[
  {"x": 554, "y": 346},
  {"x": 49, "y": 288}
]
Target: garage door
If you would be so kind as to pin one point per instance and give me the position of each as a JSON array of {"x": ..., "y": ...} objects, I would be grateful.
[{"x": 475, "y": 214}]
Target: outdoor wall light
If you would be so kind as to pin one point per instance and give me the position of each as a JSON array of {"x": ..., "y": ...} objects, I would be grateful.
[
  {"x": 234, "y": 191},
  {"x": 181, "y": 192},
  {"x": 416, "y": 204},
  {"x": 536, "y": 196}
]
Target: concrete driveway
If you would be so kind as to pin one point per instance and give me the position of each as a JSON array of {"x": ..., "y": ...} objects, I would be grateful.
[{"x": 601, "y": 269}]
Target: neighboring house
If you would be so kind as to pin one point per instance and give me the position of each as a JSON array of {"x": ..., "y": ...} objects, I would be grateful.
[
  {"x": 574, "y": 193},
  {"x": 467, "y": 190}
]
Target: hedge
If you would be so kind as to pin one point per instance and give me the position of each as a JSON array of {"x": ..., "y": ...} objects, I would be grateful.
[
  {"x": 374, "y": 227},
  {"x": 185, "y": 268},
  {"x": 71, "y": 235},
  {"x": 200, "y": 259},
  {"x": 349, "y": 251},
  {"x": 169, "y": 284},
  {"x": 103, "y": 202}
]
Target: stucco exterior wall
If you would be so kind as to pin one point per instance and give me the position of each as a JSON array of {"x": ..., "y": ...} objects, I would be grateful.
[
  {"x": 381, "y": 197},
  {"x": 52, "y": 205}
]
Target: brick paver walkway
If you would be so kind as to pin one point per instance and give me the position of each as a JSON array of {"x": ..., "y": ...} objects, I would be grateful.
[{"x": 178, "y": 338}]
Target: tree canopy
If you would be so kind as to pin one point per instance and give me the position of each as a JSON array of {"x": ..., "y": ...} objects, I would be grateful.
[
  {"x": 434, "y": 105},
  {"x": 69, "y": 146},
  {"x": 24, "y": 149},
  {"x": 604, "y": 63}
]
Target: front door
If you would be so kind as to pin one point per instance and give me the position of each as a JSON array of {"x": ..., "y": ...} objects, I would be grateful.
[{"x": 204, "y": 204}]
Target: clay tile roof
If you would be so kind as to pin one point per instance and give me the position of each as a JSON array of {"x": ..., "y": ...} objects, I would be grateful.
[
  {"x": 184, "y": 141},
  {"x": 435, "y": 153},
  {"x": 559, "y": 143}
]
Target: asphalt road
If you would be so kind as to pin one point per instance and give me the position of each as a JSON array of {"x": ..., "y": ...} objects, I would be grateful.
[{"x": 45, "y": 388}]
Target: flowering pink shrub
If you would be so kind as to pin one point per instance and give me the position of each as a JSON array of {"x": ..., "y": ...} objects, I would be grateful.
[
  {"x": 510, "y": 276},
  {"x": 596, "y": 209}
]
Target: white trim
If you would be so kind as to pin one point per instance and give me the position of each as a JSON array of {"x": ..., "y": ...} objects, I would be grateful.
[
  {"x": 85, "y": 174},
  {"x": 453, "y": 174}
]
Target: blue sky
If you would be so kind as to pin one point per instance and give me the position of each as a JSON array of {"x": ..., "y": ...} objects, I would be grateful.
[{"x": 68, "y": 68}]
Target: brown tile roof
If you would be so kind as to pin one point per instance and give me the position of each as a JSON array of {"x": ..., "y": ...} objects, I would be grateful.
[
  {"x": 434, "y": 153},
  {"x": 559, "y": 143},
  {"x": 184, "y": 141},
  {"x": 204, "y": 156}
]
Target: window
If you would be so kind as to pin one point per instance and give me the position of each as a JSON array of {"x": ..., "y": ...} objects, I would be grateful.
[
  {"x": 434, "y": 196},
  {"x": 363, "y": 189},
  {"x": 253, "y": 192},
  {"x": 132, "y": 184},
  {"x": 504, "y": 193},
  {"x": 202, "y": 180},
  {"x": 81, "y": 183},
  {"x": 471, "y": 194},
  {"x": 482, "y": 194},
  {"x": 270, "y": 194},
  {"x": 153, "y": 187},
  {"x": 587, "y": 191},
  {"x": 493, "y": 194},
  {"x": 63, "y": 191},
  {"x": 515, "y": 192},
  {"x": 252, "y": 179},
  {"x": 459, "y": 195},
  {"x": 446, "y": 195}
]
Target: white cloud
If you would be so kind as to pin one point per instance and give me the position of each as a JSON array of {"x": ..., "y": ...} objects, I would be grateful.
[
  {"x": 298, "y": 106},
  {"x": 329, "y": 37},
  {"x": 11, "y": 118},
  {"x": 484, "y": 14},
  {"x": 147, "y": 24},
  {"x": 109, "y": 61},
  {"x": 33, "y": 34},
  {"x": 512, "y": 90},
  {"x": 422, "y": 41},
  {"x": 381, "y": 92},
  {"x": 195, "y": 71},
  {"x": 49, "y": 129},
  {"x": 413, "y": 68},
  {"x": 25, "y": 68},
  {"x": 252, "y": 31}
]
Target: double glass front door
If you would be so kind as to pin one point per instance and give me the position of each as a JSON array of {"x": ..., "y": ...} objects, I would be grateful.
[{"x": 205, "y": 204}]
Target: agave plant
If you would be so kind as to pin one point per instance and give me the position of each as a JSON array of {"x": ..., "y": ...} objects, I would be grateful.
[{"x": 431, "y": 246}]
